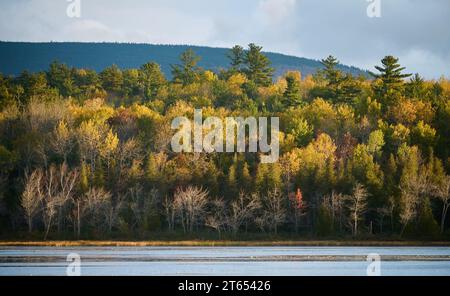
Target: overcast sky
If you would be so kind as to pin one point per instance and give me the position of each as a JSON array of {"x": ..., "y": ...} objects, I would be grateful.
[{"x": 416, "y": 31}]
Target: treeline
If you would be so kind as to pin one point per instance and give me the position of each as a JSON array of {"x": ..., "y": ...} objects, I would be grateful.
[{"x": 87, "y": 154}]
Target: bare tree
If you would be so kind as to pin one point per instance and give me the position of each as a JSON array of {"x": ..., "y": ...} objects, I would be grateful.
[
  {"x": 408, "y": 207},
  {"x": 190, "y": 206},
  {"x": 91, "y": 204},
  {"x": 32, "y": 197},
  {"x": 112, "y": 211},
  {"x": 241, "y": 210},
  {"x": 382, "y": 213},
  {"x": 410, "y": 189},
  {"x": 442, "y": 192},
  {"x": 217, "y": 219},
  {"x": 169, "y": 209},
  {"x": 357, "y": 206},
  {"x": 58, "y": 188},
  {"x": 274, "y": 210},
  {"x": 143, "y": 205}
]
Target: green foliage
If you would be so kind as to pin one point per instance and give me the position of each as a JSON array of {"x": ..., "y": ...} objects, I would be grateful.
[
  {"x": 112, "y": 130},
  {"x": 426, "y": 224},
  {"x": 258, "y": 67},
  {"x": 187, "y": 72},
  {"x": 112, "y": 79},
  {"x": 292, "y": 94},
  {"x": 391, "y": 79},
  {"x": 324, "y": 225}
]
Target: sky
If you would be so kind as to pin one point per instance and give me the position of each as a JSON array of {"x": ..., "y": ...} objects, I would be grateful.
[{"x": 416, "y": 31}]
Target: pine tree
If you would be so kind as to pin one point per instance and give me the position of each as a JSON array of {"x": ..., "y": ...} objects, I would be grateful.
[
  {"x": 415, "y": 88},
  {"x": 258, "y": 66},
  {"x": 292, "y": 95},
  {"x": 188, "y": 71},
  {"x": 151, "y": 80},
  {"x": 391, "y": 79},
  {"x": 331, "y": 73},
  {"x": 236, "y": 56}
]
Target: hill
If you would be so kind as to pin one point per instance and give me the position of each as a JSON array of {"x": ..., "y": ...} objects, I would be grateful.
[{"x": 16, "y": 57}]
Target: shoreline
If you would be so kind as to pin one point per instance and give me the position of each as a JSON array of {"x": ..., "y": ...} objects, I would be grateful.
[{"x": 224, "y": 243}]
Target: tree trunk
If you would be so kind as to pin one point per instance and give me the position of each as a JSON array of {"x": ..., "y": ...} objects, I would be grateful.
[
  {"x": 48, "y": 228},
  {"x": 78, "y": 220},
  {"x": 30, "y": 225},
  {"x": 444, "y": 214}
]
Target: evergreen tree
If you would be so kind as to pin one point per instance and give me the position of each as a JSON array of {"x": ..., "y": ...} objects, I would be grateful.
[
  {"x": 258, "y": 66},
  {"x": 331, "y": 73},
  {"x": 416, "y": 88},
  {"x": 292, "y": 95},
  {"x": 112, "y": 79},
  {"x": 391, "y": 78},
  {"x": 151, "y": 80},
  {"x": 236, "y": 56},
  {"x": 187, "y": 72}
]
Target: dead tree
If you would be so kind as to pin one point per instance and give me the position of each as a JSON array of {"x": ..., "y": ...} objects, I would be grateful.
[
  {"x": 32, "y": 197},
  {"x": 241, "y": 210},
  {"x": 357, "y": 206},
  {"x": 190, "y": 206}
]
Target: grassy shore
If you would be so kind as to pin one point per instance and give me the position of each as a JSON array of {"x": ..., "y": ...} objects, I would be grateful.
[{"x": 218, "y": 243}]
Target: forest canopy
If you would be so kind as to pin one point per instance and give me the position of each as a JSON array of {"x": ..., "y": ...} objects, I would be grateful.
[{"x": 87, "y": 155}]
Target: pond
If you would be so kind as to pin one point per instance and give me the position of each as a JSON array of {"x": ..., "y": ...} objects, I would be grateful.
[{"x": 225, "y": 261}]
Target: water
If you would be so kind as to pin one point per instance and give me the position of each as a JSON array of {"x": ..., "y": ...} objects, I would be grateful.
[{"x": 227, "y": 261}]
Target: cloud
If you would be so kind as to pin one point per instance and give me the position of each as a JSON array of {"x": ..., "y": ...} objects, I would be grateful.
[{"x": 276, "y": 11}]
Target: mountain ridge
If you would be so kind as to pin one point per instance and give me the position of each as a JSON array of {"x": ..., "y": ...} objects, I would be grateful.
[{"x": 16, "y": 57}]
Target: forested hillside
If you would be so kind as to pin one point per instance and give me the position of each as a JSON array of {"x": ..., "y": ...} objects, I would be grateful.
[
  {"x": 86, "y": 154},
  {"x": 16, "y": 57}
]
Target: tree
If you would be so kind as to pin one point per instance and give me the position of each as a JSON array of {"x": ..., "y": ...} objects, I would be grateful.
[
  {"x": 357, "y": 205},
  {"x": 58, "y": 186},
  {"x": 258, "y": 66},
  {"x": 144, "y": 206},
  {"x": 416, "y": 87},
  {"x": 375, "y": 143},
  {"x": 442, "y": 193},
  {"x": 151, "y": 80},
  {"x": 324, "y": 223},
  {"x": 62, "y": 141},
  {"x": 391, "y": 78},
  {"x": 237, "y": 58},
  {"x": 187, "y": 72},
  {"x": 411, "y": 184},
  {"x": 89, "y": 138},
  {"x": 331, "y": 73},
  {"x": 217, "y": 218},
  {"x": 297, "y": 206},
  {"x": 32, "y": 197},
  {"x": 292, "y": 95},
  {"x": 190, "y": 203},
  {"x": 59, "y": 76},
  {"x": 242, "y": 210},
  {"x": 90, "y": 204},
  {"x": 131, "y": 84},
  {"x": 274, "y": 210},
  {"x": 112, "y": 79}
]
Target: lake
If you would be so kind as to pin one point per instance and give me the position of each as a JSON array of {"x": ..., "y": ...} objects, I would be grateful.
[{"x": 225, "y": 261}]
